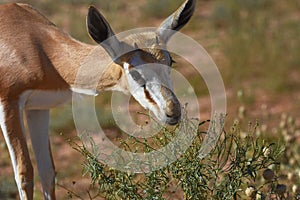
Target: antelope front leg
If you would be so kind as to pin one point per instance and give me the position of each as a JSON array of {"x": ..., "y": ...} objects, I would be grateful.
[
  {"x": 11, "y": 125},
  {"x": 38, "y": 125}
]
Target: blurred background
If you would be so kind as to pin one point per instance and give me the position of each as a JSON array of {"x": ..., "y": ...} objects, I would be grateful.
[{"x": 254, "y": 43}]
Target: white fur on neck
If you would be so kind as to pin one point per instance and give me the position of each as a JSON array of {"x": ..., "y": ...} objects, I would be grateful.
[{"x": 85, "y": 91}]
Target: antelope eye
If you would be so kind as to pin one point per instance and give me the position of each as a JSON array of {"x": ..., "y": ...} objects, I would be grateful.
[{"x": 137, "y": 77}]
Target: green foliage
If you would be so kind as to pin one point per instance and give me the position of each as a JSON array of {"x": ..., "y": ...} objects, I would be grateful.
[{"x": 243, "y": 165}]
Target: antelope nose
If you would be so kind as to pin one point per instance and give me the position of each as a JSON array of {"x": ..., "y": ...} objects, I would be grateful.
[
  {"x": 173, "y": 111},
  {"x": 173, "y": 108}
]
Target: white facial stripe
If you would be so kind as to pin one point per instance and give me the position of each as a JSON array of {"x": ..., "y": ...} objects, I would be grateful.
[
  {"x": 149, "y": 95},
  {"x": 135, "y": 89},
  {"x": 133, "y": 85}
]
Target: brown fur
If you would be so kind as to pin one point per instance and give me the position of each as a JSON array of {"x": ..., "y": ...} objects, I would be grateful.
[
  {"x": 37, "y": 56},
  {"x": 49, "y": 59}
]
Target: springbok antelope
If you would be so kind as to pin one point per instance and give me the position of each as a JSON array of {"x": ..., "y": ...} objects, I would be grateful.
[{"x": 38, "y": 66}]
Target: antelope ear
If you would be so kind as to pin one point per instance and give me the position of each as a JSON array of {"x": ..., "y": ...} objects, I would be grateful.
[
  {"x": 100, "y": 30},
  {"x": 177, "y": 20}
]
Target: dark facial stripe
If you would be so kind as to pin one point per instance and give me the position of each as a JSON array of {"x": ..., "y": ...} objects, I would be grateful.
[{"x": 148, "y": 96}]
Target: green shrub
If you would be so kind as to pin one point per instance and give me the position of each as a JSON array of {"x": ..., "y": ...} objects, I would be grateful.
[{"x": 245, "y": 164}]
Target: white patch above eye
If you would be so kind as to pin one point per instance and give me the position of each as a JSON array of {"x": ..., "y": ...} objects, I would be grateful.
[{"x": 126, "y": 67}]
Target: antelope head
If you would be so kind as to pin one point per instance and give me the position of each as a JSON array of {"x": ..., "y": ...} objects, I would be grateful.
[{"x": 146, "y": 62}]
